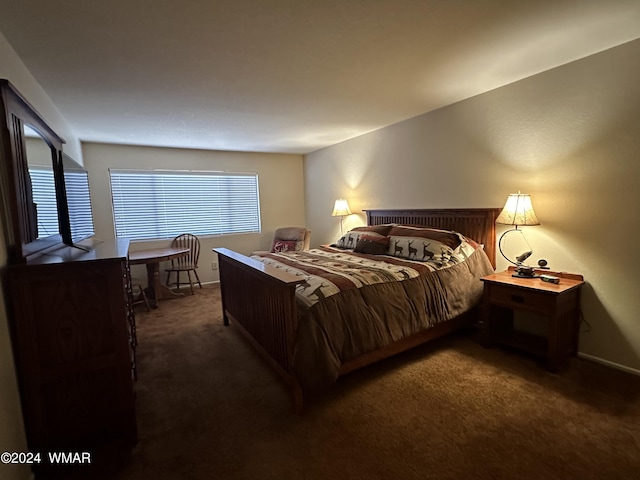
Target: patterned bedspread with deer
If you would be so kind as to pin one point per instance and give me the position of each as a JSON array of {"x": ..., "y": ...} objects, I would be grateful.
[
  {"x": 350, "y": 303},
  {"x": 328, "y": 271}
]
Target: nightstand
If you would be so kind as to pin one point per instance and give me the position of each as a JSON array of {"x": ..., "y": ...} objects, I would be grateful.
[{"x": 556, "y": 304}]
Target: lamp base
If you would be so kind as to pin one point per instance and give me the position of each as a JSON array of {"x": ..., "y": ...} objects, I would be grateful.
[
  {"x": 519, "y": 275},
  {"x": 525, "y": 272}
]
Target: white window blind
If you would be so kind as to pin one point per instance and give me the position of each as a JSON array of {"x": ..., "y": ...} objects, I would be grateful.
[
  {"x": 164, "y": 204},
  {"x": 44, "y": 196},
  {"x": 78, "y": 204}
]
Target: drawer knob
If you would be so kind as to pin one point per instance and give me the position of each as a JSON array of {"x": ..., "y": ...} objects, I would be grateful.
[{"x": 517, "y": 298}]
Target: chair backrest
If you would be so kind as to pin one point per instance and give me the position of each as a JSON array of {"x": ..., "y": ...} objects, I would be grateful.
[
  {"x": 291, "y": 238},
  {"x": 187, "y": 240}
]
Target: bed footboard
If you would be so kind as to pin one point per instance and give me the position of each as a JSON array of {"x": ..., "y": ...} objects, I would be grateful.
[{"x": 260, "y": 299}]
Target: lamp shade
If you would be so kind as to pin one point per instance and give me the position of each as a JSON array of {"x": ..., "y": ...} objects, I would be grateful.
[
  {"x": 341, "y": 208},
  {"x": 518, "y": 211}
]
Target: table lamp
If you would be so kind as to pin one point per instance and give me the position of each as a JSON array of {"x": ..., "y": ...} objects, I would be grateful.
[
  {"x": 341, "y": 209},
  {"x": 518, "y": 211}
]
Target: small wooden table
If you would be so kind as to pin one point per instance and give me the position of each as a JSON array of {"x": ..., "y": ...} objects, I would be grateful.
[
  {"x": 151, "y": 258},
  {"x": 558, "y": 303}
]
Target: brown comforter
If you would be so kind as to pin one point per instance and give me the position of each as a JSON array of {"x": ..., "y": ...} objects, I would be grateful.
[{"x": 364, "y": 310}]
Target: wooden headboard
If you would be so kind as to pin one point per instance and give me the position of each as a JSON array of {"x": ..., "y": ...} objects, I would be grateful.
[{"x": 478, "y": 224}]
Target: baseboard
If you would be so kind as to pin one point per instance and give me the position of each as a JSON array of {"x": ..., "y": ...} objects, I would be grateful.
[
  {"x": 211, "y": 282},
  {"x": 602, "y": 361}
]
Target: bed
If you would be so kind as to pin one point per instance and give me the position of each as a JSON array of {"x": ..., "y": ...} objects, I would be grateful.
[{"x": 375, "y": 301}]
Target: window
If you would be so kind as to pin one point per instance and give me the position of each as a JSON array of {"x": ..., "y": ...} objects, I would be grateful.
[
  {"x": 164, "y": 204},
  {"x": 78, "y": 204},
  {"x": 44, "y": 197}
]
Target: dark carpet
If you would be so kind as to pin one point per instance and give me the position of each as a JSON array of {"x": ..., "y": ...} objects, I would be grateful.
[{"x": 209, "y": 408}]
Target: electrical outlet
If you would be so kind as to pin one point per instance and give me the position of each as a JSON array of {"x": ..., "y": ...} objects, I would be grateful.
[{"x": 214, "y": 265}]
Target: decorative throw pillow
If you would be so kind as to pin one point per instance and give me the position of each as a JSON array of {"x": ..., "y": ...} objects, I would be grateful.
[
  {"x": 449, "y": 238},
  {"x": 350, "y": 239},
  {"x": 284, "y": 246},
  {"x": 372, "y": 244},
  {"x": 419, "y": 248},
  {"x": 379, "y": 229}
]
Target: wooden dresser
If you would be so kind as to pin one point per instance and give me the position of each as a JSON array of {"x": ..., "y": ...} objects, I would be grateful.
[{"x": 73, "y": 334}]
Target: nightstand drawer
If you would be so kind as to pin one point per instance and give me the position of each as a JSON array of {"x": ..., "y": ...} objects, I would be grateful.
[{"x": 521, "y": 298}]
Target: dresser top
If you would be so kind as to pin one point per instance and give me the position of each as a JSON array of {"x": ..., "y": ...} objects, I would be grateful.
[{"x": 87, "y": 251}]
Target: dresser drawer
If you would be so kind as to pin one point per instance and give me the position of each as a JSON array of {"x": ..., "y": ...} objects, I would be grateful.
[{"x": 521, "y": 298}]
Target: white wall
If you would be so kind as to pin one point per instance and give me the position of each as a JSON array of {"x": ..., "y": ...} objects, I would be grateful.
[
  {"x": 12, "y": 69},
  {"x": 281, "y": 185},
  {"x": 569, "y": 136},
  {"x": 12, "y": 436}
]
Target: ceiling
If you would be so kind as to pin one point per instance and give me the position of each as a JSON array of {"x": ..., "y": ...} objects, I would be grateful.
[{"x": 289, "y": 76}]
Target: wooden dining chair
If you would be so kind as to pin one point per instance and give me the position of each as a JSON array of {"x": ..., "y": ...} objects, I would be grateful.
[{"x": 187, "y": 263}]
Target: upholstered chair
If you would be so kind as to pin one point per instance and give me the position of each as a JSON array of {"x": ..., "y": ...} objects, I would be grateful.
[{"x": 290, "y": 238}]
